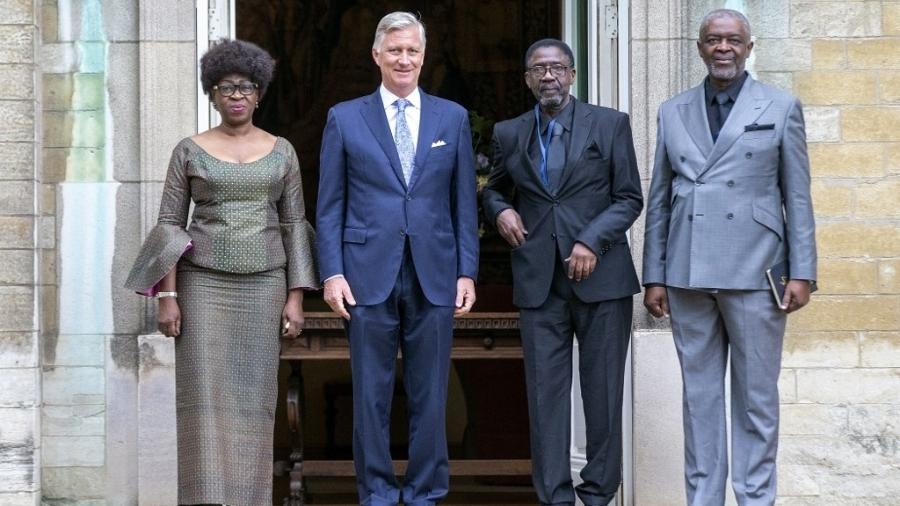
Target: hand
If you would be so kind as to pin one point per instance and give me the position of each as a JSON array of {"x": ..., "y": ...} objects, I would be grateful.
[
  {"x": 796, "y": 295},
  {"x": 511, "y": 228},
  {"x": 465, "y": 296},
  {"x": 168, "y": 319},
  {"x": 582, "y": 262},
  {"x": 292, "y": 315},
  {"x": 336, "y": 292},
  {"x": 656, "y": 300}
]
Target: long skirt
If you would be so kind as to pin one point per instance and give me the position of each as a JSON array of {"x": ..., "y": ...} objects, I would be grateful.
[{"x": 226, "y": 363}]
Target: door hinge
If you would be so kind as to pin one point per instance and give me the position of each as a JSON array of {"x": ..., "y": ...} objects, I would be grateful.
[
  {"x": 612, "y": 21},
  {"x": 218, "y": 21}
]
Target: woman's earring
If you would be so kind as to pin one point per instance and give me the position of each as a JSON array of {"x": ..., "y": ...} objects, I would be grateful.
[
  {"x": 257, "y": 104},
  {"x": 215, "y": 106}
]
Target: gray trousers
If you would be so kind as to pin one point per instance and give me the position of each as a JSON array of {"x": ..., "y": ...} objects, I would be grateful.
[
  {"x": 603, "y": 330},
  {"x": 707, "y": 327}
]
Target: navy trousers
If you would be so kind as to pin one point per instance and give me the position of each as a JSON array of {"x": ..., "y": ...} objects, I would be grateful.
[{"x": 423, "y": 332}]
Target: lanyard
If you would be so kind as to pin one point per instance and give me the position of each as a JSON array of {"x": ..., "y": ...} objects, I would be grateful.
[{"x": 537, "y": 119}]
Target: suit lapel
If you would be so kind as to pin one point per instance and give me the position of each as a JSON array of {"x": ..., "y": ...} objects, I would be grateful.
[
  {"x": 581, "y": 132},
  {"x": 375, "y": 118},
  {"x": 526, "y": 134},
  {"x": 746, "y": 110},
  {"x": 693, "y": 115},
  {"x": 429, "y": 120}
]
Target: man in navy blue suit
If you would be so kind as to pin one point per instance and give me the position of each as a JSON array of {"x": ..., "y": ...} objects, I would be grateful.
[{"x": 398, "y": 251}]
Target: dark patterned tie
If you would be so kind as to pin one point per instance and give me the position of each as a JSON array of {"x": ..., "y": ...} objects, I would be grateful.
[
  {"x": 403, "y": 140},
  {"x": 556, "y": 157}
]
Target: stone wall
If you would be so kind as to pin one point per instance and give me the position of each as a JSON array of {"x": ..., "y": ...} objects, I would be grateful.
[
  {"x": 840, "y": 385},
  {"x": 840, "y": 436},
  {"x": 21, "y": 266}
]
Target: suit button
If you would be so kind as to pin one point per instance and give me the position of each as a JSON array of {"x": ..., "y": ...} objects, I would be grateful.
[
  {"x": 682, "y": 158},
  {"x": 553, "y": 236},
  {"x": 690, "y": 217},
  {"x": 749, "y": 155},
  {"x": 698, "y": 183},
  {"x": 730, "y": 183},
  {"x": 403, "y": 233},
  {"x": 730, "y": 216},
  {"x": 408, "y": 198},
  {"x": 555, "y": 203}
]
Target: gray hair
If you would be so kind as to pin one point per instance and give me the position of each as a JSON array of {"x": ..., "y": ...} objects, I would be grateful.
[
  {"x": 724, "y": 13},
  {"x": 397, "y": 21}
]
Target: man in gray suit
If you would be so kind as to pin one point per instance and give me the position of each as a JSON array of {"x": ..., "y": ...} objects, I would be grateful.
[{"x": 729, "y": 199}]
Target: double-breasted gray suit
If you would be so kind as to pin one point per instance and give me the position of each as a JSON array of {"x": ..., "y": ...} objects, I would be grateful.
[
  {"x": 597, "y": 200},
  {"x": 719, "y": 214}
]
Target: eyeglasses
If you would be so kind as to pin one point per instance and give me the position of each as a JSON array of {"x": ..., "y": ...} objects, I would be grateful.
[
  {"x": 245, "y": 88},
  {"x": 539, "y": 71}
]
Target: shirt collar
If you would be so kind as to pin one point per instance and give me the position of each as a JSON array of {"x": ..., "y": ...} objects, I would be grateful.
[
  {"x": 388, "y": 98},
  {"x": 733, "y": 89}
]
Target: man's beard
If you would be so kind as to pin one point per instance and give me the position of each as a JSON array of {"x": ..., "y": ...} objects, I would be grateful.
[
  {"x": 552, "y": 102},
  {"x": 722, "y": 73}
]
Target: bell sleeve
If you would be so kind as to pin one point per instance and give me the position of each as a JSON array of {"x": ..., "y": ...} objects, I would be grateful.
[
  {"x": 168, "y": 240},
  {"x": 297, "y": 234}
]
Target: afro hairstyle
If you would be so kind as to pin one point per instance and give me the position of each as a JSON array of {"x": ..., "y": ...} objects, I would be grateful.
[{"x": 236, "y": 57}]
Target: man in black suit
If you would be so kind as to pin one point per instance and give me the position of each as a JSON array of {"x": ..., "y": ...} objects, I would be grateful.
[{"x": 563, "y": 192}]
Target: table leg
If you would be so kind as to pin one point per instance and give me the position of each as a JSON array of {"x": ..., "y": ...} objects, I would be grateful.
[{"x": 295, "y": 410}]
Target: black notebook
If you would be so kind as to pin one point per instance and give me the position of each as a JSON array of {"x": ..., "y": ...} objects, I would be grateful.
[{"x": 778, "y": 277}]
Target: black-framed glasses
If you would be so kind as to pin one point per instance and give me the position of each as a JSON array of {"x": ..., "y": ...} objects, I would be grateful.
[
  {"x": 538, "y": 71},
  {"x": 227, "y": 89}
]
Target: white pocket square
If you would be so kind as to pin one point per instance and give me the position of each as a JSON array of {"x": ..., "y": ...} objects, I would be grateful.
[{"x": 438, "y": 143}]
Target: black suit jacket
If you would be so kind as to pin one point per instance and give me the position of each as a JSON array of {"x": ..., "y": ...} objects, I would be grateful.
[{"x": 599, "y": 197}]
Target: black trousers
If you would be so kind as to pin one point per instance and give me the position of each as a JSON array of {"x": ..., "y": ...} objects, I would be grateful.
[{"x": 603, "y": 330}]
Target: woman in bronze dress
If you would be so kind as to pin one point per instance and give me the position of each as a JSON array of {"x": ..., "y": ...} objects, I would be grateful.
[{"x": 229, "y": 283}]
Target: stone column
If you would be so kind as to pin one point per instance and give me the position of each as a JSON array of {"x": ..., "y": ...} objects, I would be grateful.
[
  {"x": 118, "y": 84},
  {"x": 660, "y": 59}
]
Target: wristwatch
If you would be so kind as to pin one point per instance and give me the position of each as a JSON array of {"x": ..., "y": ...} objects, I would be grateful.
[{"x": 161, "y": 295}]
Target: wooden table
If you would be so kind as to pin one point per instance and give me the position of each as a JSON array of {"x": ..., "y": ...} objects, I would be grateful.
[{"x": 476, "y": 336}]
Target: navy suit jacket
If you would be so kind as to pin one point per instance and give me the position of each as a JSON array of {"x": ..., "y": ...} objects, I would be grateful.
[{"x": 366, "y": 211}]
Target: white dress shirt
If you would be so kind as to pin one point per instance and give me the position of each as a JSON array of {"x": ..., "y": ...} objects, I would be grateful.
[{"x": 413, "y": 112}]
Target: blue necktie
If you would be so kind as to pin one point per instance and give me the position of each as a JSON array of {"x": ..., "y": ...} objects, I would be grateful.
[{"x": 403, "y": 140}]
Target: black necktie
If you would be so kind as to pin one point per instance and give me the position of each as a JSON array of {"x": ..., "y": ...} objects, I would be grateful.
[
  {"x": 722, "y": 101},
  {"x": 556, "y": 157}
]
